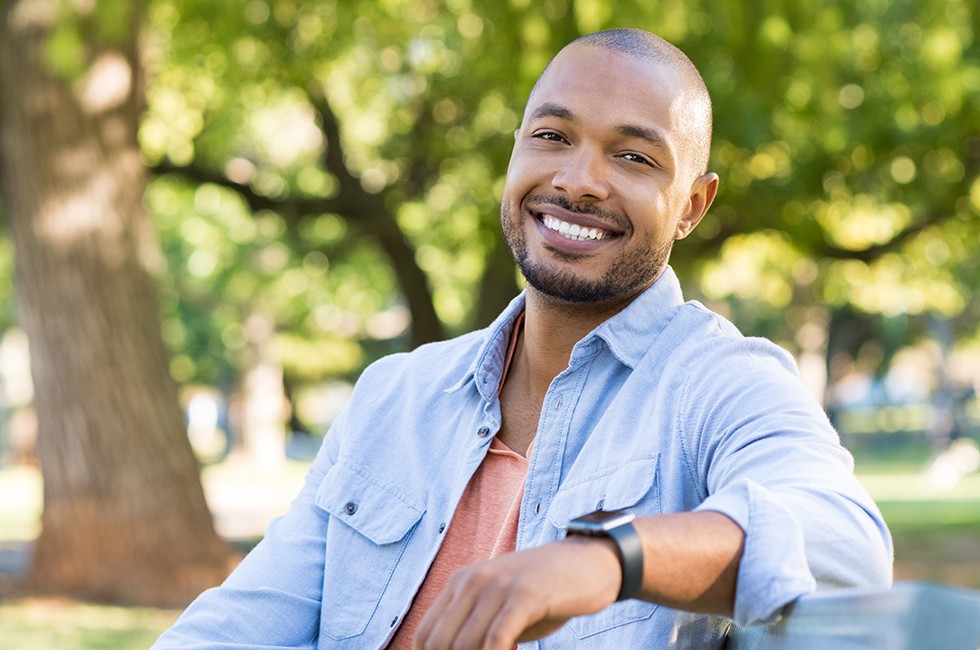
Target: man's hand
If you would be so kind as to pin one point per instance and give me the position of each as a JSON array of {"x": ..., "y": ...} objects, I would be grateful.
[
  {"x": 530, "y": 594},
  {"x": 521, "y": 596}
]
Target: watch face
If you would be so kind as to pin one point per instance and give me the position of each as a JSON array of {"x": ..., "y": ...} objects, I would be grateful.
[{"x": 600, "y": 521}]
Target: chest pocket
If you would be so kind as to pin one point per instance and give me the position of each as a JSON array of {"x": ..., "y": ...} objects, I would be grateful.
[
  {"x": 370, "y": 526},
  {"x": 632, "y": 486}
]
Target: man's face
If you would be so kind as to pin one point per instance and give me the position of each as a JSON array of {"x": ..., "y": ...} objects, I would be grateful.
[{"x": 599, "y": 182}]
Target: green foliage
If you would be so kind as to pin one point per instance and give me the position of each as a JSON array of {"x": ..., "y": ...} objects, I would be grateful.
[
  {"x": 846, "y": 137},
  {"x": 7, "y": 315},
  {"x": 65, "y": 50},
  {"x": 848, "y": 127},
  {"x": 80, "y": 29},
  {"x": 852, "y": 129},
  {"x": 237, "y": 92}
]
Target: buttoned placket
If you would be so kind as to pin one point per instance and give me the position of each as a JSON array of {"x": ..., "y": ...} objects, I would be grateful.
[{"x": 544, "y": 469}]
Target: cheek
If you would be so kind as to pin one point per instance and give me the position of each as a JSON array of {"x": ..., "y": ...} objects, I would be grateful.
[
  {"x": 528, "y": 166},
  {"x": 517, "y": 175},
  {"x": 513, "y": 180},
  {"x": 654, "y": 218}
]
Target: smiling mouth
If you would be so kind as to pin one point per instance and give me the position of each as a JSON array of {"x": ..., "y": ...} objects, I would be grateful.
[{"x": 572, "y": 231}]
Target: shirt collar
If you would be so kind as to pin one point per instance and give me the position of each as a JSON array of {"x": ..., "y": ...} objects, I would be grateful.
[
  {"x": 488, "y": 363},
  {"x": 628, "y": 334}
]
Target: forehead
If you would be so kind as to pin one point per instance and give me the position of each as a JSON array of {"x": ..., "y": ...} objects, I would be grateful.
[{"x": 606, "y": 86}]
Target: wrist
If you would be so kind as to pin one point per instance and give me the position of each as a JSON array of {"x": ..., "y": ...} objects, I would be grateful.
[
  {"x": 601, "y": 556},
  {"x": 615, "y": 528}
]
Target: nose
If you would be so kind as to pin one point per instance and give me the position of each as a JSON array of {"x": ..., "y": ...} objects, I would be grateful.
[{"x": 582, "y": 175}]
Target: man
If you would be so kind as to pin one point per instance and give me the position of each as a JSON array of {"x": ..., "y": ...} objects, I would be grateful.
[{"x": 436, "y": 514}]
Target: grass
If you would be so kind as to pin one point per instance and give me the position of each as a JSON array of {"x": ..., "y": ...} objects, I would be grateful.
[
  {"x": 935, "y": 527},
  {"x": 45, "y": 624},
  {"x": 936, "y": 534}
]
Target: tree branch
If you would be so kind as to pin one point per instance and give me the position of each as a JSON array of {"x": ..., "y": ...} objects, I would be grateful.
[
  {"x": 380, "y": 222},
  {"x": 291, "y": 206},
  {"x": 365, "y": 211}
]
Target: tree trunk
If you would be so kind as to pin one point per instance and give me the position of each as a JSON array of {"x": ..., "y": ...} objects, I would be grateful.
[{"x": 125, "y": 518}]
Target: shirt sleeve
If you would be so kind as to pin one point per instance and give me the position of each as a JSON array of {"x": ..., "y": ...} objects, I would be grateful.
[
  {"x": 273, "y": 598},
  {"x": 773, "y": 464}
]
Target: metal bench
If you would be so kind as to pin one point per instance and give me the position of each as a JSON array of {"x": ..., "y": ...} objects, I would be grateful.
[{"x": 910, "y": 615}]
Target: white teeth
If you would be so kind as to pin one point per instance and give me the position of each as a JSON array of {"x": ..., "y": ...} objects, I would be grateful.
[{"x": 573, "y": 231}]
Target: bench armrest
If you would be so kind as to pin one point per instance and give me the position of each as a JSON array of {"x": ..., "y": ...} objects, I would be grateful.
[{"x": 908, "y": 616}]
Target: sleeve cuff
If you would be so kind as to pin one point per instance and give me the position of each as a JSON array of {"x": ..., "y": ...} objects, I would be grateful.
[{"x": 773, "y": 571}]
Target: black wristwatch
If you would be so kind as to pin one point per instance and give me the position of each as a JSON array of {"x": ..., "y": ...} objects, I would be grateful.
[{"x": 617, "y": 525}]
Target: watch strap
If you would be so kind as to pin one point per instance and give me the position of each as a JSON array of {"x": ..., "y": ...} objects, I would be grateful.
[{"x": 630, "y": 551}]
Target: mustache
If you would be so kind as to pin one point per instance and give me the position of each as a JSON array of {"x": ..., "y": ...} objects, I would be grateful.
[{"x": 615, "y": 219}]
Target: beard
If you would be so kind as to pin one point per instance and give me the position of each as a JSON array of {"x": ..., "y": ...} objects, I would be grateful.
[{"x": 627, "y": 276}]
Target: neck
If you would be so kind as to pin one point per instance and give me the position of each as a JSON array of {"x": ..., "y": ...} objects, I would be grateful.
[{"x": 551, "y": 330}]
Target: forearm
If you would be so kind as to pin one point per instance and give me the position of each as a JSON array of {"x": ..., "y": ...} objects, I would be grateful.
[{"x": 690, "y": 560}]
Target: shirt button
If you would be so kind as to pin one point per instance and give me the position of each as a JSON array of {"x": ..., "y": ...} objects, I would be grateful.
[
  {"x": 537, "y": 507},
  {"x": 483, "y": 432},
  {"x": 350, "y": 507},
  {"x": 442, "y": 527}
]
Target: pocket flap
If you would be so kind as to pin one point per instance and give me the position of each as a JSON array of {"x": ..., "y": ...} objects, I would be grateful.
[
  {"x": 623, "y": 487},
  {"x": 381, "y": 514}
]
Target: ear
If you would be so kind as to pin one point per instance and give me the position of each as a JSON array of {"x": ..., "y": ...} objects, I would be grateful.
[{"x": 703, "y": 193}]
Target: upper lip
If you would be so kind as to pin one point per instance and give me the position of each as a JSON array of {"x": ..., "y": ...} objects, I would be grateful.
[{"x": 578, "y": 218}]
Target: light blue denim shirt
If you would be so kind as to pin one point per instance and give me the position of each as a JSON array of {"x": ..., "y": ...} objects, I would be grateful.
[{"x": 665, "y": 407}]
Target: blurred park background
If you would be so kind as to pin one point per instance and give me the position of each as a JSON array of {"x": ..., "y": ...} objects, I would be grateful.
[{"x": 214, "y": 215}]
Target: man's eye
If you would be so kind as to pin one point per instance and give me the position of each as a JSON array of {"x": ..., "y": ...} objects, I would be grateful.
[
  {"x": 637, "y": 158},
  {"x": 549, "y": 135}
]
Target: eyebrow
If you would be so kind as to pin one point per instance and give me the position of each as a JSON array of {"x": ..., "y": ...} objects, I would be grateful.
[
  {"x": 650, "y": 136},
  {"x": 550, "y": 109}
]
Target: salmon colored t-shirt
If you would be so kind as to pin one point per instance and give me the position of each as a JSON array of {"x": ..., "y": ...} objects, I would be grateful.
[{"x": 484, "y": 526}]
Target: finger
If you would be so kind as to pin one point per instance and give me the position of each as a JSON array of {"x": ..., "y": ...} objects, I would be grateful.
[
  {"x": 424, "y": 632},
  {"x": 473, "y": 631},
  {"x": 446, "y": 614},
  {"x": 513, "y": 618}
]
